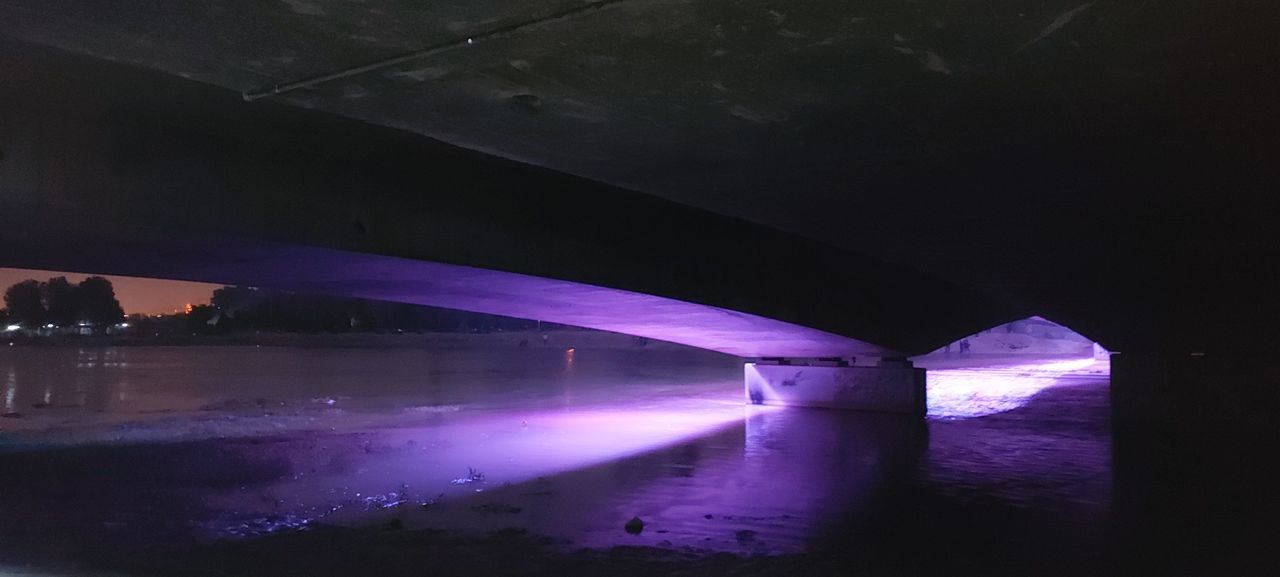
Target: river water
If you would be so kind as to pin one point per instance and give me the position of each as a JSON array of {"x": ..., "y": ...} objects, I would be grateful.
[{"x": 110, "y": 452}]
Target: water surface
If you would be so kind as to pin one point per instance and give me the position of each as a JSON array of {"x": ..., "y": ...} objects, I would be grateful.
[{"x": 131, "y": 449}]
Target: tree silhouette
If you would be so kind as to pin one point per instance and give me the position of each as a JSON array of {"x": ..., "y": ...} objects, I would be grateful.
[
  {"x": 98, "y": 303},
  {"x": 61, "y": 301},
  {"x": 24, "y": 304}
]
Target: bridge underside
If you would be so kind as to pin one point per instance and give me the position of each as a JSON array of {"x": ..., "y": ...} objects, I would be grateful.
[
  {"x": 1105, "y": 165},
  {"x": 1108, "y": 165},
  {"x": 344, "y": 273},
  {"x": 184, "y": 181}
]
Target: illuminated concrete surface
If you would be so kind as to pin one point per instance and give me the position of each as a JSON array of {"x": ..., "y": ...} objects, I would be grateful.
[
  {"x": 212, "y": 191},
  {"x": 1105, "y": 164},
  {"x": 888, "y": 386},
  {"x": 343, "y": 273},
  {"x": 895, "y": 174}
]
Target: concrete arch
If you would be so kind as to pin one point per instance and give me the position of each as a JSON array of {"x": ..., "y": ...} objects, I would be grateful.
[{"x": 115, "y": 170}]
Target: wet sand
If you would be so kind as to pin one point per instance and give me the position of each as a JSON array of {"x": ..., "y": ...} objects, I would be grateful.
[{"x": 538, "y": 469}]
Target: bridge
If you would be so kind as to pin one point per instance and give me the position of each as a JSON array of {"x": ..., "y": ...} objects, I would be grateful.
[
  {"x": 820, "y": 182},
  {"x": 183, "y": 181}
]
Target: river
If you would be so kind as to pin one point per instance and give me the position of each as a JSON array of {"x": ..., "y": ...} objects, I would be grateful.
[{"x": 108, "y": 453}]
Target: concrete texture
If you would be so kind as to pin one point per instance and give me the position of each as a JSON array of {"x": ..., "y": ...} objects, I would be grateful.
[
  {"x": 188, "y": 182},
  {"x": 888, "y": 387},
  {"x": 1107, "y": 165}
]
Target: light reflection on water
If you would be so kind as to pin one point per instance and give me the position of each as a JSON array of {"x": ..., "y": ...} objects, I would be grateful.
[
  {"x": 766, "y": 485},
  {"x": 142, "y": 380},
  {"x": 570, "y": 449},
  {"x": 961, "y": 393},
  {"x": 711, "y": 474},
  {"x": 10, "y": 388}
]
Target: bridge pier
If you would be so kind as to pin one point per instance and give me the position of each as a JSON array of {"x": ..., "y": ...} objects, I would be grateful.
[{"x": 865, "y": 384}]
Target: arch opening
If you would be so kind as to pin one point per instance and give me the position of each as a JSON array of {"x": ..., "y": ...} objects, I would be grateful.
[{"x": 1001, "y": 369}]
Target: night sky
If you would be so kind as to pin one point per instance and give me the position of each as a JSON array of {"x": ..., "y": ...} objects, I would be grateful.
[{"x": 136, "y": 295}]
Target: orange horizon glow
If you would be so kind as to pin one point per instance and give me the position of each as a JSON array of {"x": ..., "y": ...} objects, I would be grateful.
[{"x": 136, "y": 295}]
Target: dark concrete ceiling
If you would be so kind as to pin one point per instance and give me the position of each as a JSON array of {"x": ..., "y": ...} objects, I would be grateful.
[{"x": 1057, "y": 152}]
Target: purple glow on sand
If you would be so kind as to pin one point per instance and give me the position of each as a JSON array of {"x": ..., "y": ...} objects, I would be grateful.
[
  {"x": 980, "y": 391},
  {"x": 490, "y": 449}
]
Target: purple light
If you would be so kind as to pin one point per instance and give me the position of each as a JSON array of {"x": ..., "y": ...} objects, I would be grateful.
[
  {"x": 343, "y": 273},
  {"x": 979, "y": 391},
  {"x": 763, "y": 486},
  {"x": 492, "y": 448}
]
